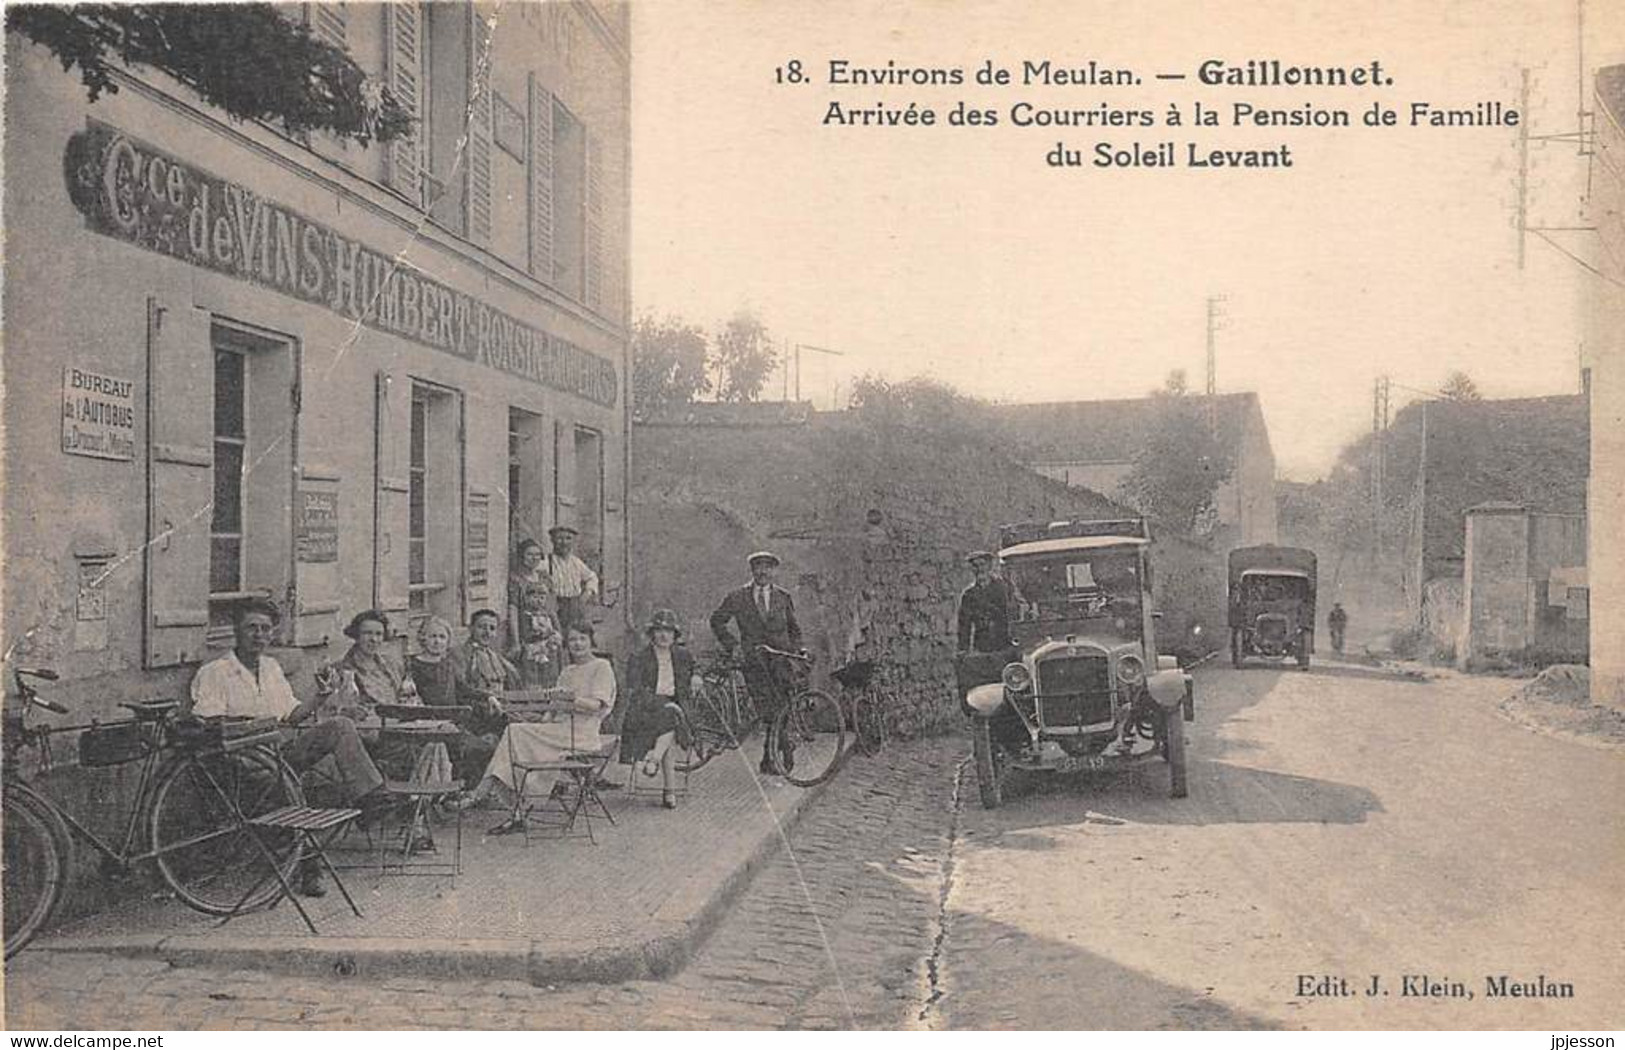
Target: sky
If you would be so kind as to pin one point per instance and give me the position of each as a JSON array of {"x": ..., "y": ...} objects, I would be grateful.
[{"x": 960, "y": 254}]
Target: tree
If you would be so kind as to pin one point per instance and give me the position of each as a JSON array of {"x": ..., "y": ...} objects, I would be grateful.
[
  {"x": 1180, "y": 463},
  {"x": 1459, "y": 386},
  {"x": 669, "y": 363},
  {"x": 244, "y": 58},
  {"x": 742, "y": 359}
]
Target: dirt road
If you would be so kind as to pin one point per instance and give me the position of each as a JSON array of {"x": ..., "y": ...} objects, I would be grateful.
[{"x": 1343, "y": 824}]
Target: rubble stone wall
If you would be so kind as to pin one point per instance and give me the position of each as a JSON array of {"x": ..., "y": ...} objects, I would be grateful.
[{"x": 873, "y": 525}]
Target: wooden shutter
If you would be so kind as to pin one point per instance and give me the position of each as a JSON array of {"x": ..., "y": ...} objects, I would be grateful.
[
  {"x": 541, "y": 182},
  {"x": 563, "y": 474},
  {"x": 329, "y": 22},
  {"x": 479, "y": 128},
  {"x": 180, "y": 473},
  {"x": 403, "y": 34},
  {"x": 594, "y": 277},
  {"x": 316, "y": 599},
  {"x": 393, "y": 447}
]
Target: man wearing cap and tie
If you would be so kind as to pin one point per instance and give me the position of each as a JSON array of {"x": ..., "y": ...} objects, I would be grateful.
[
  {"x": 574, "y": 584},
  {"x": 764, "y": 614},
  {"x": 984, "y": 609}
]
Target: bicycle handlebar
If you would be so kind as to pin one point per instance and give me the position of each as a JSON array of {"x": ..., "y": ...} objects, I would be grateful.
[
  {"x": 27, "y": 693},
  {"x": 802, "y": 657}
]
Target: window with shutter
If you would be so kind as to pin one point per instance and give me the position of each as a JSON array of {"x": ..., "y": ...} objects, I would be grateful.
[
  {"x": 569, "y": 202},
  {"x": 180, "y": 477},
  {"x": 593, "y": 277},
  {"x": 391, "y": 527},
  {"x": 403, "y": 34},
  {"x": 541, "y": 182},
  {"x": 329, "y": 21},
  {"x": 479, "y": 129}
]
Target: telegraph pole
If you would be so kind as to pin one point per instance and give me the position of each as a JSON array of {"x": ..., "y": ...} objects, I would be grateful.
[
  {"x": 1523, "y": 165},
  {"x": 1379, "y": 440},
  {"x": 1214, "y": 316}
]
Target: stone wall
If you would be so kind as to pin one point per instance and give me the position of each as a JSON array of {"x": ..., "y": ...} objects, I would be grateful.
[{"x": 873, "y": 523}]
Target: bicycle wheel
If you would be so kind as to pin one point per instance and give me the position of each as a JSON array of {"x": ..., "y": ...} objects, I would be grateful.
[
  {"x": 747, "y": 716},
  {"x": 808, "y": 736},
  {"x": 36, "y": 862},
  {"x": 200, "y": 843},
  {"x": 712, "y": 727},
  {"x": 868, "y": 725}
]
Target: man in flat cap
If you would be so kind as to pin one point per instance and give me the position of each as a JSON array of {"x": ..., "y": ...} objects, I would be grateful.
[
  {"x": 574, "y": 584},
  {"x": 764, "y": 614},
  {"x": 984, "y": 609}
]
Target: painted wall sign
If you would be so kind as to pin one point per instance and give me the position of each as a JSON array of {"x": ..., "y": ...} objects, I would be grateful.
[
  {"x": 132, "y": 191},
  {"x": 98, "y": 415},
  {"x": 318, "y": 526}
]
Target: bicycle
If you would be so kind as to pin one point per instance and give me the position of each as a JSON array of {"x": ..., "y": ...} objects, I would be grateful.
[
  {"x": 200, "y": 783},
  {"x": 865, "y": 713},
  {"x": 807, "y": 737},
  {"x": 720, "y": 716}
]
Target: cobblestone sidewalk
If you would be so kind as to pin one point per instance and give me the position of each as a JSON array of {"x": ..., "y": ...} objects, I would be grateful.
[{"x": 835, "y": 932}]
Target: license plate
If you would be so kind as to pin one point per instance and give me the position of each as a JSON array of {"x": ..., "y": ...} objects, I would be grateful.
[{"x": 1082, "y": 762}]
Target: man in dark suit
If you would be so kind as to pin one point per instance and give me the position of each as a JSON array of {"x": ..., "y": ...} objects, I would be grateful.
[
  {"x": 984, "y": 609},
  {"x": 764, "y": 614}
]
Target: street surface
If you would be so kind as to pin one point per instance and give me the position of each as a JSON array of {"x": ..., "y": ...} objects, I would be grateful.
[{"x": 1341, "y": 823}]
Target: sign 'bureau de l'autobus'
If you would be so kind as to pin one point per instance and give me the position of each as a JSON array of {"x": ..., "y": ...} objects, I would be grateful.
[{"x": 132, "y": 191}]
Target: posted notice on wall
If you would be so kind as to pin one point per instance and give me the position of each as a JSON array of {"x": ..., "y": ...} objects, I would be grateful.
[{"x": 98, "y": 414}]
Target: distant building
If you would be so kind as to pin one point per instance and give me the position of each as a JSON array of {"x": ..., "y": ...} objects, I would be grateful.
[
  {"x": 1605, "y": 346},
  {"x": 1523, "y": 463},
  {"x": 1092, "y": 444}
]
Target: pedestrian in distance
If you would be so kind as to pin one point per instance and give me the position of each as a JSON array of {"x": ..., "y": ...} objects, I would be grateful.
[
  {"x": 1338, "y": 622},
  {"x": 764, "y": 614}
]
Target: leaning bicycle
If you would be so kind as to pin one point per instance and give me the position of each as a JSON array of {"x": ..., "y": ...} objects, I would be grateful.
[
  {"x": 807, "y": 736},
  {"x": 719, "y": 716},
  {"x": 200, "y": 783},
  {"x": 862, "y": 701}
]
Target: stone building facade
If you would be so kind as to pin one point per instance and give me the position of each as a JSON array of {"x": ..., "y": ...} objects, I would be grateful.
[{"x": 241, "y": 362}]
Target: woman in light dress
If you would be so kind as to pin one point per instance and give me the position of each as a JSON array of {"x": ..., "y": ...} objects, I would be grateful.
[{"x": 589, "y": 683}]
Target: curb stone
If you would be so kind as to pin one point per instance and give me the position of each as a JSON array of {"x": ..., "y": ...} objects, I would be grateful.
[{"x": 669, "y": 940}]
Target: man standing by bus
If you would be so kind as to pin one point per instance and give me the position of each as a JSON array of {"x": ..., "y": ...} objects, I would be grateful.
[{"x": 984, "y": 609}]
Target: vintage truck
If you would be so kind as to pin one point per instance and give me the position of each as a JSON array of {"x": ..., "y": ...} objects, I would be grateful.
[
  {"x": 1082, "y": 687},
  {"x": 1272, "y": 603}
]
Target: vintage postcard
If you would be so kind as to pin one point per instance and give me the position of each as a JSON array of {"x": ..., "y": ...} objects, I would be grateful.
[{"x": 904, "y": 515}]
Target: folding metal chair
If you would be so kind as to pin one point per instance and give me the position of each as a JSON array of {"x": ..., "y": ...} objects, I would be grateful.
[
  {"x": 551, "y": 706},
  {"x": 303, "y": 822},
  {"x": 416, "y": 728}
]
